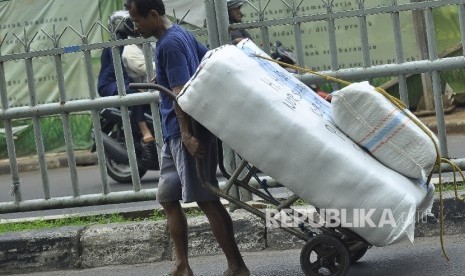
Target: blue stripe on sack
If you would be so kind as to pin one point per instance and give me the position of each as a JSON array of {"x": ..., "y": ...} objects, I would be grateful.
[{"x": 380, "y": 135}]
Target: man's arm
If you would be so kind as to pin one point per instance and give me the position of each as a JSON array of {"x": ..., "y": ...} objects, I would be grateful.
[{"x": 192, "y": 143}]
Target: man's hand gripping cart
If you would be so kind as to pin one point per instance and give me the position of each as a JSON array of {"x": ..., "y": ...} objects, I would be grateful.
[{"x": 327, "y": 250}]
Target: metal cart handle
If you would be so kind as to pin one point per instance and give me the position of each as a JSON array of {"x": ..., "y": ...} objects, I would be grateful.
[{"x": 153, "y": 86}]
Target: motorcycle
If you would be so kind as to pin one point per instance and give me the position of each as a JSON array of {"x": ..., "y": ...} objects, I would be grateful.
[
  {"x": 114, "y": 142},
  {"x": 283, "y": 54}
]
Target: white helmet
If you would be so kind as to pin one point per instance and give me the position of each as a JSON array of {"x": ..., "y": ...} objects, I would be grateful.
[
  {"x": 232, "y": 4},
  {"x": 120, "y": 22}
]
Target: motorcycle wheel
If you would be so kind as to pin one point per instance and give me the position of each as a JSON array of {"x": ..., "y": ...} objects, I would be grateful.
[{"x": 121, "y": 173}]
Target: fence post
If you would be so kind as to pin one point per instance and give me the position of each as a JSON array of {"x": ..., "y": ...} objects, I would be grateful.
[
  {"x": 16, "y": 185},
  {"x": 420, "y": 33}
]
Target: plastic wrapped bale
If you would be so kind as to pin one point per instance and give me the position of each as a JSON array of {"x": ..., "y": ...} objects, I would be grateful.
[
  {"x": 376, "y": 124},
  {"x": 285, "y": 129}
]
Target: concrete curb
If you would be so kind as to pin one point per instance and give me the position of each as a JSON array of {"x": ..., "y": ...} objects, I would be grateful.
[
  {"x": 53, "y": 160},
  {"x": 143, "y": 242},
  {"x": 451, "y": 127}
]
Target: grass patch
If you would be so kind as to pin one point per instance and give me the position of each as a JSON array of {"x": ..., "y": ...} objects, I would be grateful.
[
  {"x": 449, "y": 186},
  {"x": 55, "y": 223},
  {"x": 45, "y": 223}
]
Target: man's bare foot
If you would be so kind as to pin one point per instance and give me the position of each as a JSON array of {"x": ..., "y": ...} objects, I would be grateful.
[
  {"x": 237, "y": 272},
  {"x": 178, "y": 271}
]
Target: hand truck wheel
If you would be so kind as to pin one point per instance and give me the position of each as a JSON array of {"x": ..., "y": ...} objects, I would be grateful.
[{"x": 324, "y": 255}]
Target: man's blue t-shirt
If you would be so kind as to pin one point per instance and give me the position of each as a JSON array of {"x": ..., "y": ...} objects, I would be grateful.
[{"x": 177, "y": 56}]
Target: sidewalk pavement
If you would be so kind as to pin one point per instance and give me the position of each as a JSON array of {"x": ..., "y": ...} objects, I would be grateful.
[
  {"x": 455, "y": 121},
  {"x": 148, "y": 241}
]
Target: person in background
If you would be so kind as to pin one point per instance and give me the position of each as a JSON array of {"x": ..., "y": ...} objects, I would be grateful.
[
  {"x": 106, "y": 84},
  {"x": 235, "y": 16},
  {"x": 121, "y": 24},
  {"x": 133, "y": 57},
  {"x": 133, "y": 60},
  {"x": 177, "y": 56}
]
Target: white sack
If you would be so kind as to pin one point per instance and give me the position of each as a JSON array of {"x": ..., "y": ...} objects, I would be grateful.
[
  {"x": 372, "y": 121},
  {"x": 285, "y": 129}
]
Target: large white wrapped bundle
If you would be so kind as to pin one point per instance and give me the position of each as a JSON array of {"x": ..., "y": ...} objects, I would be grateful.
[
  {"x": 286, "y": 130},
  {"x": 376, "y": 124}
]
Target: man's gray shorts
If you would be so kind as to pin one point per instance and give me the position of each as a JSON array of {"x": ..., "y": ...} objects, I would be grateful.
[{"x": 178, "y": 173}]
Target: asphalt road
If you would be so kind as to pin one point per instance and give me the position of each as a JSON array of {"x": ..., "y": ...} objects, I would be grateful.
[
  {"x": 456, "y": 146},
  {"x": 60, "y": 185},
  {"x": 422, "y": 258}
]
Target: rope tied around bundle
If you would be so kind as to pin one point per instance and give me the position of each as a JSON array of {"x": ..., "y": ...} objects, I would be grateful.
[{"x": 402, "y": 107}]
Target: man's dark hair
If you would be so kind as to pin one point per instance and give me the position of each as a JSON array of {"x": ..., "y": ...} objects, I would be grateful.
[{"x": 144, "y": 6}]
